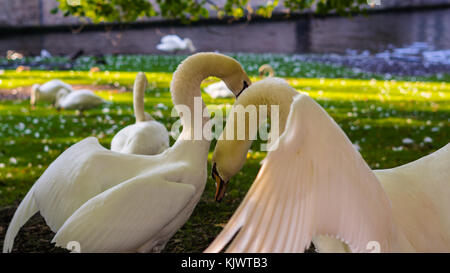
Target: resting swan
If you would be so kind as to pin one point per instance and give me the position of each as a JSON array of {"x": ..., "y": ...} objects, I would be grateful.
[
  {"x": 173, "y": 43},
  {"x": 80, "y": 99},
  {"x": 114, "y": 202},
  {"x": 315, "y": 182},
  {"x": 147, "y": 136},
  {"x": 47, "y": 91},
  {"x": 220, "y": 89}
]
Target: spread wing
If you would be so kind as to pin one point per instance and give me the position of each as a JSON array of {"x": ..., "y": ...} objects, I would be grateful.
[
  {"x": 314, "y": 183},
  {"x": 126, "y": 216}
]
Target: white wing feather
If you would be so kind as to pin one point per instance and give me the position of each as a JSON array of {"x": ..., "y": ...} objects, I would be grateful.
[
  {"x": 314, "y": 183},
  {"x": 119, "y": 226},
  {"x": 67, "y": 182}
]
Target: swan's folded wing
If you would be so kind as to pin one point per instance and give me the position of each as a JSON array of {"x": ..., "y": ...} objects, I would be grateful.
[
  {"x": 80, "y": 173},
  {"x": 124, "y": 217},
  {"x": 315, "y": 182}
]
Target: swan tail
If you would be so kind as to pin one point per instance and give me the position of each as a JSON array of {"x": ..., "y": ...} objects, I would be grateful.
[{"x": 26, "y": 209}]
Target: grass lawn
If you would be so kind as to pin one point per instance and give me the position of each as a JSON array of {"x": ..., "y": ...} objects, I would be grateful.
[{"x": 392, "y": 121}]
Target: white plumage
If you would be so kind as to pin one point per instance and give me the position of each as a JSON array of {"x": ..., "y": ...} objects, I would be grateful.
[
  {"x": 115, "y": 202},
  {"x": 173, "y": 43},
  {"x": 218, "y": 90},
  {"x": 47, "y": 91},
  {"x": 147, "y": 136},
  {"x": 315, "y": 183},
  {"x": 80, "y": 99}
]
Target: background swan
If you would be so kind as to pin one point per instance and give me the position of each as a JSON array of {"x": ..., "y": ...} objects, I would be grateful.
[
  {"x": 47, "y": 91},
  {"x": 80, "y": 99},
  {"x": 147, "y": 136},
  {"x": 316, "y": 183},
  {"x": 220, "y": 89},
  {"x": 173, "y": 43},
  {"x": 266, "y": 70},
  {"x": 115, "y": 202}
]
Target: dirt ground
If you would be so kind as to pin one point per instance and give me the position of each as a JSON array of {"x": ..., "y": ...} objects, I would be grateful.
[{"x": 34, "y": 237}]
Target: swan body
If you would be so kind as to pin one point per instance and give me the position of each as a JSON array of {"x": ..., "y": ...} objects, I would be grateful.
[
  {"x": 115, "y": 202},
  {"x": 80, "y": 99},
  {"x": 314, "y": 186},
  {"x": 147, "y": 136},
  {"x": 218, "y": 90},
  {"x": 173, "y": 43},
  {"x": 47, "y": 91}
]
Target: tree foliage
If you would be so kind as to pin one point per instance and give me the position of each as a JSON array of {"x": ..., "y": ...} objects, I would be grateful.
[{"x": 193, "y": 10}]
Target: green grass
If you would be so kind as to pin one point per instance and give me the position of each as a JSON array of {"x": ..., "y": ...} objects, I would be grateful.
[{"x": 376, "y": 114}]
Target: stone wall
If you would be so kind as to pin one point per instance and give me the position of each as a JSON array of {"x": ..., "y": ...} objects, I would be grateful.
[{"x": 28, "y": 13}]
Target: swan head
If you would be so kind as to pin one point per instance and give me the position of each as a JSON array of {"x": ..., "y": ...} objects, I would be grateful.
[
  {"x": 266, "y": 69},
  {"x": 189, "y": 45},
  {"x": 228, "y": 159},
  {"x": 34, "y": 97},
  {"x": 234, "y": 76}
]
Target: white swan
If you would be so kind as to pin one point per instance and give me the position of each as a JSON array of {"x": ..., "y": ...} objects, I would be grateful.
[
  {"x": 47, "y": 91},
  {"x": 316, "y": 183},
  {"x": 220, "y": 89},
  {"x": 82, "y": 99},
  {"x": 173, "y": 43},
  {"x": 266, "y": 70},
  {"x": 147, "y": 136},
  {"x": 114, "y": 202}
]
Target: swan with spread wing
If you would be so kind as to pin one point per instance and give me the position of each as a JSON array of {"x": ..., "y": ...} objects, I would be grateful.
[{"x": 315, "y": 186}]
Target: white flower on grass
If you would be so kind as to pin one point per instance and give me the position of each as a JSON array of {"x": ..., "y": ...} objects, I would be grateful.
[
  {"x": 13, "y": 160},
  {"x": 357, "y": 147},
  {"x": 407, "y": 141},
  {"x": 435, "y": 129},
  {"x": 20, "y": 126},
  {"x": 396, "y": 149},
  {"x": 427, "y": 140}
]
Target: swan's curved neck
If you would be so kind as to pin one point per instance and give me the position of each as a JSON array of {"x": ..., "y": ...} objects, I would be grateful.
[
  {"x": 138, "y": 97},
  {"x": 186, "y": 92},
  {"x": 274, "y": 97}
]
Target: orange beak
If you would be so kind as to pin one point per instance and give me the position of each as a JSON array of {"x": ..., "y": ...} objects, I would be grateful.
[{"x": 221, "y": 185}]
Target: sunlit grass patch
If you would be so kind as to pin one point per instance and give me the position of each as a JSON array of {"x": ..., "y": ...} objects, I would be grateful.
[{"x": 392, "y": 123}]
